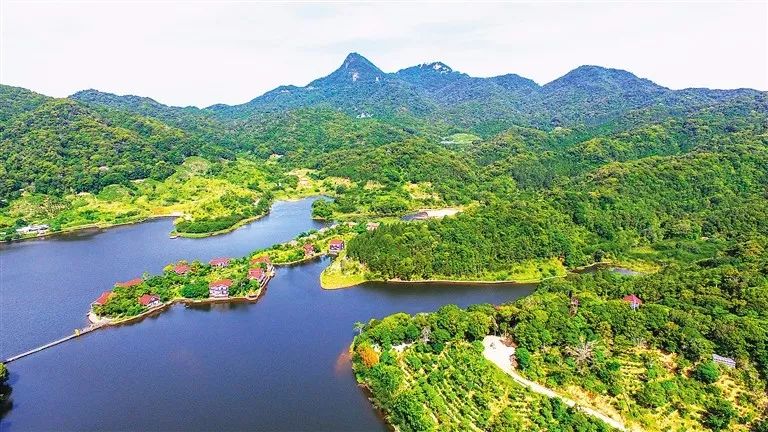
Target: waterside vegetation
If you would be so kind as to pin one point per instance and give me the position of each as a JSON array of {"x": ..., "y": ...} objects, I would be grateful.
[{"x": 650, "y": 366}]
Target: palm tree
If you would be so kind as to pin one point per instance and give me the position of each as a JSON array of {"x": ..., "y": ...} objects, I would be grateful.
[
  {"x": 582, "y": 352},
  {"x": 426, "y": 332}
]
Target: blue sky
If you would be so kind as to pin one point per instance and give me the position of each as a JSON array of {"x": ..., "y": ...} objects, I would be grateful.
[{"x": 204, "y": 52}]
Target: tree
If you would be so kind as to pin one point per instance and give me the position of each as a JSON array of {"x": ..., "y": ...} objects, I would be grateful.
[
  {"x": 478, "y": 325},
  {"x": 410, "y": 413},
  {"x": 523, "y": 357},
  {"x": 385, "y": 380},
  {"x": 322, "y": 209},
  {"x": 368, "y": 355},
  {"x": 5, "y": 391},
  {"x": 719, "y": 414},
  {"x": 582, "y": 352},
  {"x": 706, "y": 372},
  {"x": 652, "y": 395},
  {"x": 760, "y": 426},
  {"x": 197, "y": 289}
]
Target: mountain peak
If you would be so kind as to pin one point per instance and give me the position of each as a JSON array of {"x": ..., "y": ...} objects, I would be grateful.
[
  {"x": 97, "y": 96},
  {"x": 438, "y": 67},
  {"x": 355, "y": 57},
  {"x": 599, "y": 73},
  {"x": 590, "y": 78},
  {"x": 355, "y": 68},
  {"x": 358, "y": 62}
]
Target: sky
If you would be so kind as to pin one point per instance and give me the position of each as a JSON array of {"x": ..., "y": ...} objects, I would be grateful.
[{"x": 199, "y": 52}]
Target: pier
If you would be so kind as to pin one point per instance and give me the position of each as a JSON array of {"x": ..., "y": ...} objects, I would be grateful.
[{"x": 77, "y": 333}]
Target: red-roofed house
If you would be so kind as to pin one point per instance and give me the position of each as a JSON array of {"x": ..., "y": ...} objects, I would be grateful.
[
  {"x": 264, "y": 259},
  {"x": 103, "y": 298},
  {"x": 633, "y": 300},
  {"x": 130, "y": 283},
  {"x": 335, "y": 246},
  {"x": 309, "y": 250},
  {"x": 257, "y": 274},
  {"x": 219, "y": 288},
  {"x": 182, "y": 269},
  {"x": 150, "y": 301},
  {"x": 219, "y": 262}
]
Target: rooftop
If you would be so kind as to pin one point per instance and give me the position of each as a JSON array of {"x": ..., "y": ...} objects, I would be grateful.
[
  {"x": 632, "y": 299},
  {"x": 130, "y": 283},
  {"x": 103, "y": 298},
  {"x": 263, "y": 258},
  {"x": 146, "y": 299},
  {"x": 221, "y": 283}
]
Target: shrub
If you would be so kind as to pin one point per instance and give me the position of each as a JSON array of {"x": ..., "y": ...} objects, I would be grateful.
[
  {"x": 195, "y": 290},
  {"x": 368, "y": 355},
  {"x": 706, "y": 372},
  {"x": 652, "y": 395},
  {"x": 523, "y": 357},
  {"x": 719, "y": 414}
]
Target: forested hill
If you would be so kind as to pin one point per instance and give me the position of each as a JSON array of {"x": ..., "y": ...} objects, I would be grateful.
[
  {"x": 426, "y": 135},
  {"x": 671, "y": 208},
  {"x": 57, "y": 145}
]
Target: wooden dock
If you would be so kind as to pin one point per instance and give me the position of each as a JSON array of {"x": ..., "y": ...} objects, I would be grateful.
[{"x": 77, "y": 333}]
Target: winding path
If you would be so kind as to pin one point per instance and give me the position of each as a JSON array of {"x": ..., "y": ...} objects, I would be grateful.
[{"x": 499, "y": 354}]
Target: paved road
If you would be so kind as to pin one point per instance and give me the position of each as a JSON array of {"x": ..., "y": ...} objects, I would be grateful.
[{"x": 499, "y": 354}]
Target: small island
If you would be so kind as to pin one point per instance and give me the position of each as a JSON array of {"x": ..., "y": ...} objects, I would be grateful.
[{"x": 222, "y": 279}]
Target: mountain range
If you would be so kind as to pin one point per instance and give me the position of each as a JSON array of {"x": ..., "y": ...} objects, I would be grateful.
[
  {"x": 535, "y": 133},
  {"x": 587, "y": 95}
]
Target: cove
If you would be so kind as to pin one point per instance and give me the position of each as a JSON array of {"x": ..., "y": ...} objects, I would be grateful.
[{"x": 278, "y": 364}]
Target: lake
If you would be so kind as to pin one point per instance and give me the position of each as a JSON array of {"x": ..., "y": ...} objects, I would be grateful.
[{"x": 278, "y": 364}]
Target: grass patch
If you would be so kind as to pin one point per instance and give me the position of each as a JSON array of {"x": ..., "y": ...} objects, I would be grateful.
[
  {"x": 342, "y": 273},
  {"x": 461, "y": 139}
]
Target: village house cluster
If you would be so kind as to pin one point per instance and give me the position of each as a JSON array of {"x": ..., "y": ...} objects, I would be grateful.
[{"x": 261, "y": 270}]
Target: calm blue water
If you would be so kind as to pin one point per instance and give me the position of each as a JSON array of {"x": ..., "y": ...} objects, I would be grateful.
[
  {"x": 278, "y": 364},
  {"x": 46, "y": 286}
]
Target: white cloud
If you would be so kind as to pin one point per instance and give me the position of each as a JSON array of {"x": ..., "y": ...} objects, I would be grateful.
[{"x": 200, "y": 52}]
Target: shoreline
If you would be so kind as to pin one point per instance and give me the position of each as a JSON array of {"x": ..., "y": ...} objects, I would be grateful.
[
  {"x": 108, "y": 322},
  {"x": 575, "y": 270},
  {"x": 237, "y": 225},
  {"x": 93, "y": 226},
  {"x": 447, "y": 281},
  {"x": 301, "y": 261},
  {"x": 107, "y": 225}
]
